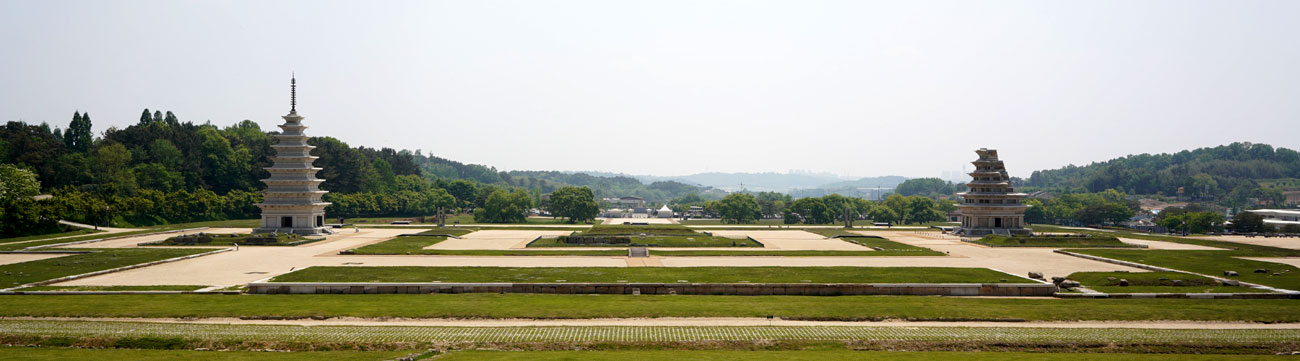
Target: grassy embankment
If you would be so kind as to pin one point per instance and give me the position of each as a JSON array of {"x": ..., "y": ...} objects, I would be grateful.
[
  {"x": 1154, "y": 282},
  {"x": 57, "y": 353},
  {"x": 115, "y": 288},
  {"x": 75, "y": 232},
  {"x": 651, "y": 275},
  {"x": 627, "y": 306},
  {"x": 825, "y": 355},
  {"x": 881, "y": 244},
  {"x": 1057, "y": 241},
  {"x": 1209, "y": 262},
  {"x": 218, "y": 239}
]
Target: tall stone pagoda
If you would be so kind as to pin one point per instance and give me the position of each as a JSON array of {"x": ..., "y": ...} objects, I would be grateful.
[
  {"x": 292, "y": 201},
  {"x": 991, "y": 206}
]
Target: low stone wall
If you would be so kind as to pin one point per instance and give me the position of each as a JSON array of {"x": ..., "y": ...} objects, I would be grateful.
[{"x": 744, "y": 289}]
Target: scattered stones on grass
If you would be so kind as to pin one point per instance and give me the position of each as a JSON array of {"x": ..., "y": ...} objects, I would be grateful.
[
  {"x": 1261, "y": 270},
  {"x": 1230, "y": 282},
  {"x": 1230, "y": 273},
  {"x": 1036, "y": 275},
  {"x": 1058, "y": 279},
  {"x": 1123, "y": 282}
]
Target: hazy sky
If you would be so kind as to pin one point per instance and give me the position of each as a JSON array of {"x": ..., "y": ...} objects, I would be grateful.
[{"x": 676, "y": 87}]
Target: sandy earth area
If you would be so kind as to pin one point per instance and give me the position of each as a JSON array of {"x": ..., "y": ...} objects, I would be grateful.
[
  {"x": 254, "y": 263},
  {"x": 793, "y": 240},
  {"x": 680, "y": 321},
  {"x": 495, "y": 239},
  {"x": 134, "y": 241},
  {"x": 8, "y": 258},
  {"x": 1293, "y": 261},
  {"x": 1292, "y": 243}
]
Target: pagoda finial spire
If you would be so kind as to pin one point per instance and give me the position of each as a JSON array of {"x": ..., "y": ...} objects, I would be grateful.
[{"x": 293, "y": 93}]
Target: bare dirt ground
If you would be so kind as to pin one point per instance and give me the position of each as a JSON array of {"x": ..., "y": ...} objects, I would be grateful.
[
  {"x": 680, "y": 321},
  {"x": 1280, "y": 242},
  {"x": 8, "y": 258},
  {"x": 1293, "y": 261},
  {"x": 793, "y": 240},
  {"x": 495, "y": 239}
]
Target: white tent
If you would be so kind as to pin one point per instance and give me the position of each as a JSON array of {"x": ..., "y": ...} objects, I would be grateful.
[{"x": 665, "y": 212}]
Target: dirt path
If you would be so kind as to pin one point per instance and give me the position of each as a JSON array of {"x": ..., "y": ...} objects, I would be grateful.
[{"x": 681, "y": 321}]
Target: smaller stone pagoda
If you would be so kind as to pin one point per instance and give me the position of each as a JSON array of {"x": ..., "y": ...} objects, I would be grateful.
[
  {"x": 292, "y": 202},
  {"x": 991, "y": 206}
]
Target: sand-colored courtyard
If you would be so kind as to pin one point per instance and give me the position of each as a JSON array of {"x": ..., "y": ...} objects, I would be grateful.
[
  {"x": 252, "y": 263},
  {"x": 1279, "y": 242}
]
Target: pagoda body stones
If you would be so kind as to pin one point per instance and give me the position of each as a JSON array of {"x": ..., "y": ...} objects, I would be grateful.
[
  {"x": 292, "y": 201},
  {"x": 991, "y": 206}
]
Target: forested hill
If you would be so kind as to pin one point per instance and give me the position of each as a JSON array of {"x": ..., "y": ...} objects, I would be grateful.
[{"x": 1228, "y": 173}]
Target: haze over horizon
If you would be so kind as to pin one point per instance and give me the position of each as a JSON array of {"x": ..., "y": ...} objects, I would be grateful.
[{"x": 680, "y": 87}]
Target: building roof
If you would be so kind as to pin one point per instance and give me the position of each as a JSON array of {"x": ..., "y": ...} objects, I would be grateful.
[
  {"x": 1277, "y": 212},
  {"x": 665, "y": 208}
]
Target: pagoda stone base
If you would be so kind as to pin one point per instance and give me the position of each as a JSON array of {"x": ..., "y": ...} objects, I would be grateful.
[
  {"x": 306, "y": 225},
  {"x": 987, "y": 231}
]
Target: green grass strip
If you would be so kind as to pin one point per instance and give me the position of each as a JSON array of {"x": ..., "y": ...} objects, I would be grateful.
[
  {"x": 650, "y": 275},
  {"x": 47, "y": 236},
  {"x": 628, "y": 306},
  {"x": 389, "y": 334},
  {"x": 45, "y": 353}
]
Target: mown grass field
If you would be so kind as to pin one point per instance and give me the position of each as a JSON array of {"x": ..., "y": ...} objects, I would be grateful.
[
  {"x": 825, "y": 355},
  {"x": 628, "y": 306},
  {"x": 16, "y": 274},
  {"x": 699, "y": 240},
  {"x": 414, "y": 245},
  {"x": 1154, "y": 282},
  {"x": 651, "y": 275}
]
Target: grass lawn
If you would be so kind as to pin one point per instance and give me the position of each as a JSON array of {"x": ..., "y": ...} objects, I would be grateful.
[
  {"x": 1210, "y": 263},
  {"x": 15, "y": 274},
  {"x": 657, "y": 235},
  {"x": 462, "y": 219},
  {"x": 74, "y": 232},
  {"x": 414, "y": 245},
  {"x": 1091, "y": 241},
  {"x": 1154, "y": 282},
  {"x": 21, "y": 245},
  {"x": 827, "y": 355},
  {"x": 481, "y": 305},
  {"x": 114, "y": 288},
  {"x": 651, "y": 274},
  {"x": 56, "y": 353}
]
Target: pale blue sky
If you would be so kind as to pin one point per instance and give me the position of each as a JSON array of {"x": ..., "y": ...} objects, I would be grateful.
[{"x": 851, "y": 87}]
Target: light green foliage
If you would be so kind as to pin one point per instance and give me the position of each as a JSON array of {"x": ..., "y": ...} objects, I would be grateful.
[
  {"x": 1107, "y": 207},
  {"x": 16, "y": 182},
  {"x": 575, "y": 203},
  {"x": 927, "y": 187},
  {"x": 739, "y": 208},
  {"x": 112, "y": 167}
]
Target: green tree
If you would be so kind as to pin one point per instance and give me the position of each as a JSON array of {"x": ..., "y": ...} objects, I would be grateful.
[
  {"x": 739, "y": 208},
  {"x": 504, "y": 206},
  {"x": 1247, "y": 222},
  {"x": 812, "y": 210},
  {"x": 577, "y": 204},
  {"x": 78, "y": 137},
  {"x": 17, "y": 182},
  {"x": 113, "y": 167}
]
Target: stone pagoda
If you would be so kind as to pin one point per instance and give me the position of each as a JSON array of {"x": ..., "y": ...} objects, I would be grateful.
[
  {"x": 292, "y": 201},
  {"x": 991, "y": 206}
]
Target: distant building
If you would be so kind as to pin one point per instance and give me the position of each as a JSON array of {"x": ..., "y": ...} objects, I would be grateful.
[
  {"x": 1278, "y": 218},
  {"x": 991, "y": 206},
  {"x": 624, "y": 202},
  {"x": 696, "y": 212}
]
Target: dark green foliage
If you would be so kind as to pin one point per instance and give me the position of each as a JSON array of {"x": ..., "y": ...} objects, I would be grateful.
[
  {"x": 78, "y": 137},
  {"x": 927, "y": 187},
  {"x": 575, "y": 203},
  {"x": 505, "y": 207},
  {"x": 1247, "y": 222},
  {"x": 1228, "y": 173},
  {"x": 739, "y": 208},
  {"x": 1107, "y": 207}
]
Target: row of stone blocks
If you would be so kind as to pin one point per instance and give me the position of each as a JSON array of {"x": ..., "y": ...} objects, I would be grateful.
[{"x": 744, "y": 289}]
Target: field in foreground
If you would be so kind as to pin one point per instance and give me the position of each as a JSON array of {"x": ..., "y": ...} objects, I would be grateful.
[
  {"x": 47, "y": 353},
  {"x": 818, "y": 356},
  {"x": 652, "y": 275},
  {"x": 628, "y": 306}
]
